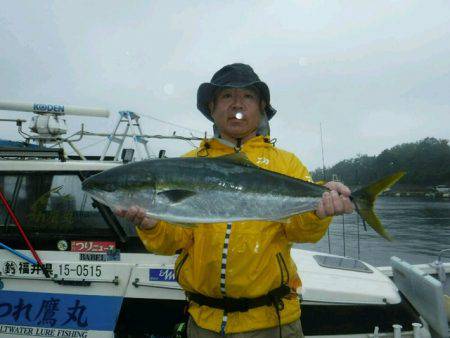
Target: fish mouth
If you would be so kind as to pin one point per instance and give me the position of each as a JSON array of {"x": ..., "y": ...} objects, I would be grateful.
[
  {"x": 93, "y": 183},
  {"x": 96, "y": 194},
  {"x": 100, "y": 200},
  {"x": 97, "y": 189},
  {"x": 105, "y": 198}
]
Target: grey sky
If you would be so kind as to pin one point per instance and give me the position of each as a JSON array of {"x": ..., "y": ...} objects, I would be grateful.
[{"x": 375, "y": 73}]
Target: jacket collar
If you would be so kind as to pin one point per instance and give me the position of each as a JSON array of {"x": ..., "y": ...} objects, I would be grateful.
[{"x": 222, "y": 144}]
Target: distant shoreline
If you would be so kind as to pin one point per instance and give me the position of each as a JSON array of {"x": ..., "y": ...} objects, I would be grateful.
[{"x": 424, "y": 194}]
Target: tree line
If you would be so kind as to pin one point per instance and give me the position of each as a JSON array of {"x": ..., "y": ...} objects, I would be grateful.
[{"x": 426, "y": 163}]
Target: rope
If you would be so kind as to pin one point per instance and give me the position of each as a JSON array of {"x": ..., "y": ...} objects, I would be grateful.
[{"x": 171, "y": 124}]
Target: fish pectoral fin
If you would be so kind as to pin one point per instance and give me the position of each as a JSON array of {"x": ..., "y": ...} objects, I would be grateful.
[
  {"x": 176, "y": 195},
  {"x": 237, "y": 158}
]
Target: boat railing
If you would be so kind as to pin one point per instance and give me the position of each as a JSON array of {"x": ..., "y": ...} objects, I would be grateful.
[
  {"x": 439, "y": 260},
  {"x": 419, "y": 331},
  {"x": 439, "y": 266},
  {"x": 345, "y": 231}
]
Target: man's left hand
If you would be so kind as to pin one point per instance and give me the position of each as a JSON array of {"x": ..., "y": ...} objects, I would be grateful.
[{"x": 335, "y": 202}]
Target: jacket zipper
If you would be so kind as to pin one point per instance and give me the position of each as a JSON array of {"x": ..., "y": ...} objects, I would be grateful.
[
  {"x": 281, "y": 265},
  {"x": 178, "y": 268}
]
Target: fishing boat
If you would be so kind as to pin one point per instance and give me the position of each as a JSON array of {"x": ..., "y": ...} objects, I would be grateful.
[
  {"x": 443, "y": 189},
  {"x": 78, "y": 271}
]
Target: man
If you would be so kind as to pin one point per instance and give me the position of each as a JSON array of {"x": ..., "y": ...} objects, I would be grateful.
[{"x": 239, "y": 277}]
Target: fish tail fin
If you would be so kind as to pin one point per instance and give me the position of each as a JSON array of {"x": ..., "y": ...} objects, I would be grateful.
[{"x": 364, "y": 200}]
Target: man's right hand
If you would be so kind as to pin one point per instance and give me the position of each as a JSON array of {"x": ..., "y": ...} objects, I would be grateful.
[{"x": 138, "y": 217}]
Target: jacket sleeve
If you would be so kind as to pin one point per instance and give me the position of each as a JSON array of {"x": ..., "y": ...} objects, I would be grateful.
[
  {"x": 165, "y": 238},
  {"x": 306, "y": 227}
]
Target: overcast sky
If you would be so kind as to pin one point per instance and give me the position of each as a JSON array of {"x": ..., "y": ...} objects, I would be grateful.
[{"x": 374, "y": 73}]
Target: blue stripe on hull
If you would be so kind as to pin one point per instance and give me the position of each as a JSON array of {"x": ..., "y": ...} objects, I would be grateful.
[{"x": 54, "y": 310}]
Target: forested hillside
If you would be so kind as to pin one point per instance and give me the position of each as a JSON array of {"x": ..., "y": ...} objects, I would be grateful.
[{"x": 426, "y": 162}]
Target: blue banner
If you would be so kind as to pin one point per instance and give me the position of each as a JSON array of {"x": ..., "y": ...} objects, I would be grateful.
[
  {"x": 162, "y": 275},
  {"x": 55, "y": 310}
]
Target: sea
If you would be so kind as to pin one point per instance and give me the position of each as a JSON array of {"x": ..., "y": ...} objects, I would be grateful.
[{"x": 420, "y": 228}]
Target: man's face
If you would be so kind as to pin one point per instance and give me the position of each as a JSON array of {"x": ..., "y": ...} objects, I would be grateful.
[{"x": 227, "y": 103}]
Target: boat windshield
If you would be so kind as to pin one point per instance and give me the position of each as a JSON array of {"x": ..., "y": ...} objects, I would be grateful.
[
  {"x": 342, "y": 263},
  {"x": 51, "y": 203}
]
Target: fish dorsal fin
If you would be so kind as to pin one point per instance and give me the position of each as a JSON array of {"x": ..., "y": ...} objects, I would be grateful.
[
  {"x": 237, "y": 158},
  {"x": 176, "y": 195}
]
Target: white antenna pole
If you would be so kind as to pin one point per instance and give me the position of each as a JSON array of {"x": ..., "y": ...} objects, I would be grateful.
[{"x": 57, "y": 109}]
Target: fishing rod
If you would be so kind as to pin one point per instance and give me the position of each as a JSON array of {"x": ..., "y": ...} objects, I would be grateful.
[{"x": 324, "y": 179}]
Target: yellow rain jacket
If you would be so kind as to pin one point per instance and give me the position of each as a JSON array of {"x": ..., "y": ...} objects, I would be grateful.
[{"x": 257, "y": 259}]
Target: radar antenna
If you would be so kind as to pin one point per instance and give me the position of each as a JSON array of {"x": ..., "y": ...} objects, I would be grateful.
[{"x": 48, "y": 125}]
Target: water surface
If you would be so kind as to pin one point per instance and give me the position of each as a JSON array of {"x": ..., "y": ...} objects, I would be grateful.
[{"x": 420, "y": 227}]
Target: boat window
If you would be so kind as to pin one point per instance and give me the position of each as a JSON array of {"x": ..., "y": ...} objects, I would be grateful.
[
  {"x": 342, "y": 263},
  {"x": 50, "y": 203}
]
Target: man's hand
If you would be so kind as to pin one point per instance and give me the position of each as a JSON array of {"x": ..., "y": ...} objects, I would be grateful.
[
  {"x": 335, "y": 202},
  {"x": 137, "y": 216}
]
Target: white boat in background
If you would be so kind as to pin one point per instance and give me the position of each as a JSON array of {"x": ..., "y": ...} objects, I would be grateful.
[
  {"x": 102, "y": 283},
  {"x": 443, "y": 189}
]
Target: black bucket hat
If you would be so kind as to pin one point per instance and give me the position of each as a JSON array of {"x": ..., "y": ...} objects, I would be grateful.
[{"x": 236, "y": 75}]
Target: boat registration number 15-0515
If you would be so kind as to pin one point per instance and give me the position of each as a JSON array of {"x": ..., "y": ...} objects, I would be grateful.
[{"x": 79, "y": 270}]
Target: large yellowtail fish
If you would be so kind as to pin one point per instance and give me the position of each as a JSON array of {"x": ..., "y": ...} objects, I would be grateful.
[{"x": 229, "y": 188}]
